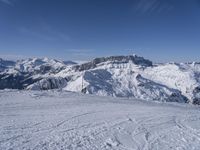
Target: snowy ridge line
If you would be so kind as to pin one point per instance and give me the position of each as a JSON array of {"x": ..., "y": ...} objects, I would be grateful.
[{"x": 116, "y": 76}]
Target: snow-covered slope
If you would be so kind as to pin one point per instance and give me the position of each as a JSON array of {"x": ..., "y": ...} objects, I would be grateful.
[
  {"x": 27, "y": 72},
  {"x": 118, "y": 76},
  {"x": 122, "y": 79},
  {"x": 53, "y": 120},
  {"x": 38, "y": 65},
  {"x": 183, "y": 77},
  {"x": 126, "y": 78}
]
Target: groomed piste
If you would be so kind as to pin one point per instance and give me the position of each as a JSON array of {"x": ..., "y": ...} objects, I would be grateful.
[{"x": 55, "y": 120}]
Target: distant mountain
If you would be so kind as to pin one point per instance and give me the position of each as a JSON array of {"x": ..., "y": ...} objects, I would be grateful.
[
  {"x": 118, "y": 76},
  {"x": 69, "y": 62},
  {"x": 29, "y": 71},
  {"x": 115, "y": 60},
  {"x": 4, "y": 64}
]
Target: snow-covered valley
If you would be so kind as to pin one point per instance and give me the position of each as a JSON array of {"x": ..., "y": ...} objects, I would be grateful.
[{"x": 56, "y": 120}]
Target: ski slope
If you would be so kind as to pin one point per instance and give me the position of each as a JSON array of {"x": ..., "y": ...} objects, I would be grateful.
[{"x": 55, "y": 120}]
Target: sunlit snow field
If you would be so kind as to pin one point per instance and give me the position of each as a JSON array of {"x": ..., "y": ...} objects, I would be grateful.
[{"x": 55, "y": 120}]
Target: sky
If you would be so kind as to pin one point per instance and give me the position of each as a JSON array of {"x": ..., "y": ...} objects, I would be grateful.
[{"x": 160, "y": 30}]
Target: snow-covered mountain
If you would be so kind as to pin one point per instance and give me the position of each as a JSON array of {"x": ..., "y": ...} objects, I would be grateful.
[
  {"x": 26, "y": 72},
  {"x": 118, "y": 76},
  {"x": 5, "y": 64}
]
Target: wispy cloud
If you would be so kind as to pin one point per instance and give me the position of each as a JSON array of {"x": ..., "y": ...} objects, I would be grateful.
[
  {"x": 7, "y": 2},
  {"x": 79, "y": 51},
  {"x": 150, "y": 6},
  {"x": 54, "y": 32},
  {"x": 81, "y": 54},
  {"x": 12, "y": 57},
  {"x": 45, "y": 32}
]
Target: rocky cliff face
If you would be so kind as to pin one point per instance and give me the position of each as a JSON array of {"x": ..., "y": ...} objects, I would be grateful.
[{"x": 115, "y": 60}]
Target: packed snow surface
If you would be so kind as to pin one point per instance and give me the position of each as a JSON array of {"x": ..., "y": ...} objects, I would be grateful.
[{"x": 55, "y": 120}]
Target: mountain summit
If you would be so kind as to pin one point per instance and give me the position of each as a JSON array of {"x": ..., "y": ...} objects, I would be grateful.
[{"x": 115, "y": 60}]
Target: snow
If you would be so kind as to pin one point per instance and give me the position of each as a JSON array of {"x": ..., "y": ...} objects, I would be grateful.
[
  {"x": 117, "y": 76},
  {"x": 121, "y": 80},
  {"x": 178, "y": 76},
  {"x": 56, "y": 120},
  {"x": 35, "y": 64}
]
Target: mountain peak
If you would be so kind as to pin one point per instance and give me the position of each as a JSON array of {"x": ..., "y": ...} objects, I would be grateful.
[{"x": 115, "y": 59}]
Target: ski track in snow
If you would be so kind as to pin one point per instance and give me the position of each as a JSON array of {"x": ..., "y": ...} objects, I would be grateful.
[{"x": 53, "y": 120}]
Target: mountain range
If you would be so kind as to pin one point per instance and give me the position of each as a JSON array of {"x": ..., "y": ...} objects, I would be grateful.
[{"x": 117, "y": 76}]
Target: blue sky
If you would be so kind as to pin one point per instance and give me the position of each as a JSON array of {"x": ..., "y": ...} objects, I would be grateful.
[{"x": 160, "y": 30}]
